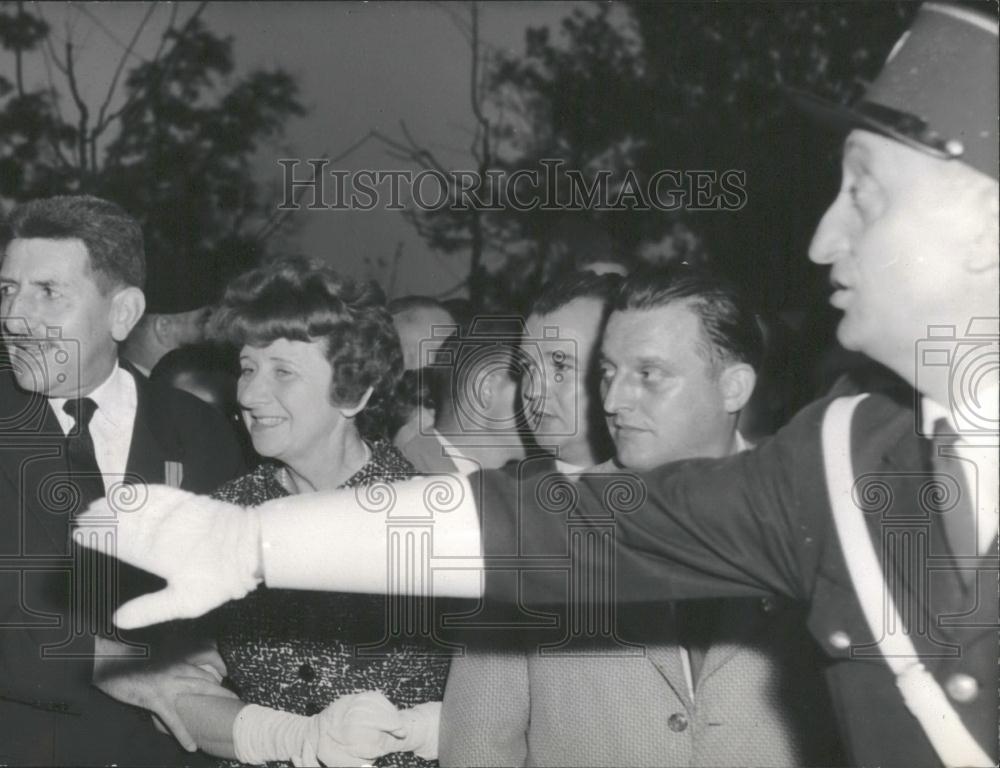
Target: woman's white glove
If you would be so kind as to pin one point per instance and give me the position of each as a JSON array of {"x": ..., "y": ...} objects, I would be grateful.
[
  {"x": 369, "y": 725},
  {"x": 262, "y": 734},
  {"x": 421, "y": 724},
  {"x": 352, "y": 731}
]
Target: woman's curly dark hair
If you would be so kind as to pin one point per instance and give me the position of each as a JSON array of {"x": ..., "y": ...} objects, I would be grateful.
[{"x": 303, "y": 300}]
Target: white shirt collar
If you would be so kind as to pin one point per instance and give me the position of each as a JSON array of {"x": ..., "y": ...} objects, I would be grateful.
[
  {"x": 740, "y": 443},
  {"x": 449, "y": 448},
  {"x": 565, "y": 468},
  {"x": 114, "y": 397}
]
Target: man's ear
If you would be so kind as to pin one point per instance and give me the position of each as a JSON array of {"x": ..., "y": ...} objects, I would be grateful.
[
  {"x": 162, "y": 327},
  {"x": 736, "y": 384},
  {"x": 127, "y": 306},
  {"x": 354, "y": 410},
  {"x": 985, "y": 254}
]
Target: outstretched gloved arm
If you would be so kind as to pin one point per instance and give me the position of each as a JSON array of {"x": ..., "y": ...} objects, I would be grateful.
[{"x": 210, "y": 552}]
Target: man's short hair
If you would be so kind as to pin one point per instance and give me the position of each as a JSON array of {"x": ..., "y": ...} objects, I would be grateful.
[
  {"x": 112, "y": 237},
  {"x": 576, "y": 285},
  {"x": 731, "y": 329}
]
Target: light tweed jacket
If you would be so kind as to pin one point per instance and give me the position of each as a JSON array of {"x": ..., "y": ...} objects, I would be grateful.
[{"x": 759, "y": 701}]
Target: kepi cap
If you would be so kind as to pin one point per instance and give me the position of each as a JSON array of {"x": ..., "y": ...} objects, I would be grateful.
[{"x": 938, "y": 90}]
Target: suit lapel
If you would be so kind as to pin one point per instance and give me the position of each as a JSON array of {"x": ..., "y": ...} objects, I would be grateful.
[
  {"x": 149, "y": 450},
  {"x": 665, "y": 656},
  {"x": 666, "y": 659}
]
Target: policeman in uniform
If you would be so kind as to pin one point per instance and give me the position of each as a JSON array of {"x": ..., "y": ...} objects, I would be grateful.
[{"x": 878, "y": 512}]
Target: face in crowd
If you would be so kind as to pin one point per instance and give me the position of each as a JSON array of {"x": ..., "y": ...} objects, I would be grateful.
[
  {"x": 563, "y": 346},
  {"x": 284, "y": 392},
  {"x": 62, "y": 321},
  {"x": 667, "y": 394}
]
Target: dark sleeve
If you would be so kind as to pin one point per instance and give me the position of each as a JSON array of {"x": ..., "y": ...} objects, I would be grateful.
[
  {"x": 213, "y": 452},
  {"x": 746, "y": 525}
]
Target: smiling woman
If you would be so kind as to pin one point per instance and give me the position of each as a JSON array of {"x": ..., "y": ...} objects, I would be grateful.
[{"x": 320, "y": 362}]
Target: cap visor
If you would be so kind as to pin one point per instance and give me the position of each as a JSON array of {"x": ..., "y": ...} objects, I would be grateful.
[{"x": 842, "y": 119}]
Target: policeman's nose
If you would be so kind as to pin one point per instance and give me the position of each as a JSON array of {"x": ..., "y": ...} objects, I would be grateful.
[{"x": 832, "y": 239}]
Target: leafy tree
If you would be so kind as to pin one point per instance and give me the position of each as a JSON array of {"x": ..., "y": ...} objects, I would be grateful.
[
  {"x": 631, "y": 90},
  {"x": 172, "y": 140}
]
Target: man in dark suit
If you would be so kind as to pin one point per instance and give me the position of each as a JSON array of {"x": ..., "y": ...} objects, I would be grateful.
[
  {"x": 860, "y": 509},
  {"x": 76, "y": 424}
]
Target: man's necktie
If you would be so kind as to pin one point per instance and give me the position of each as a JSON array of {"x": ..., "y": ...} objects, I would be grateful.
[
  {"x": 959, "y": 520},
  {"x": 83, "y": 467},
  {"x": 95, "y": 576}
]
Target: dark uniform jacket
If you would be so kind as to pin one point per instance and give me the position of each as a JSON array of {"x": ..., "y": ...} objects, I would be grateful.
[
  {"x": 50, "y": 713},
  {"x": 760, "y": 523}
]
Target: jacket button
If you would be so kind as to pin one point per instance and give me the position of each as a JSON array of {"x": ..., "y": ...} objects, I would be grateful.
[
  {"x": 840, "y": 640},
  {"x": 677, "y": 722},
  {"x": 307, "y": 673},
  {"x": 962, "y": 688},
  {"x": 767, "y": 605},
  {"x": 312, "y": 708}
]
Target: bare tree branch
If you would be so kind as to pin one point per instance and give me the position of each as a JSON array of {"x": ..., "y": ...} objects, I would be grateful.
[
  {"x": 103, "y": 27},
  {"x": 174, "y": 8},
  {"x": 82, "y": 110},
  {"x": 278, "y": 218},
  {"x": 130, "y": 103},
  {"x": 101, "y": 124},
  {"x": 460, "y": 24}
]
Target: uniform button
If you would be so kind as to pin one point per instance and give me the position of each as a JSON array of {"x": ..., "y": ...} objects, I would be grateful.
[
  {"x": 312, "y": 708},
  {"x": 677, "y": 722},
  {"x": 840, "y": 640},
  {"x": 962, "y": 688},
  {"x": 307, "y": 673},
  {"x": 767, "y": 605}
]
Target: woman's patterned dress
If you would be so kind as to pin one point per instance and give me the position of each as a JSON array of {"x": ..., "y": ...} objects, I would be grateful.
[{"x": 297, "y": 650}]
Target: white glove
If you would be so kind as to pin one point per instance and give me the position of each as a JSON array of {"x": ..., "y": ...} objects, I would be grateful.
[
  {"x": 369, "y": 725},
  {"x": 262, "y": 734},
  {"x": 420, "y": 726},
  {"x": 208, "y": 551}
]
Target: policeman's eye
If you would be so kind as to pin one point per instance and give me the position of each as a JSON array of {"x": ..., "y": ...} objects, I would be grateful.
[
  {"x": 7, "y": 289},
  {"x": 651, "y": 374},
  {"x": 865, "y": 196},
  {"x": 282, "y": 373},
  {"x": 607, "y": 372},
  {"x": 245, "y": 371}
]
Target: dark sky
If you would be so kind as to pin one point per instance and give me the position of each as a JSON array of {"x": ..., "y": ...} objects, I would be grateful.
[{"x": 360, "y": 66}]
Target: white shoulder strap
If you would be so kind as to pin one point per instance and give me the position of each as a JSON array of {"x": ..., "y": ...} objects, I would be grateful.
[{"x": 924, "y": 698}]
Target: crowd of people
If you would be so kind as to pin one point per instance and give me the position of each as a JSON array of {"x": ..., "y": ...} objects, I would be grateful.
[{"x": 399, "y": 533}]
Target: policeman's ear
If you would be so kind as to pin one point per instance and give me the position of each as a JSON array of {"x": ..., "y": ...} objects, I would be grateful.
[
  {"x": 985, "y": 253},
  {"x": 736, "y": 384},
  {"x": 127, "y": 306},
  {"x": 352, "y": 411}
]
